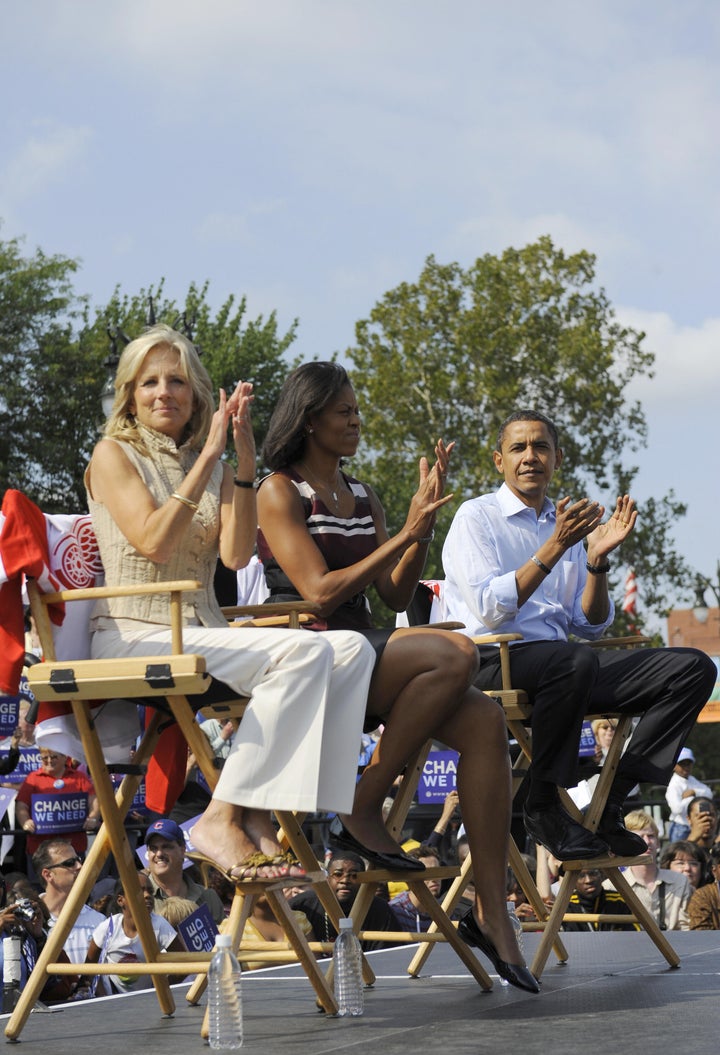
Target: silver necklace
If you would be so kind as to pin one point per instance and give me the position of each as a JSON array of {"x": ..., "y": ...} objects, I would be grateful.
[{"x": 325, "y": 487}]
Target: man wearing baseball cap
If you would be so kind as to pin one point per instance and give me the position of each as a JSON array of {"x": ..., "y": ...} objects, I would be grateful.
[
  {"x": 165, "y": 843},
  {"x": 681, "y": 790}
]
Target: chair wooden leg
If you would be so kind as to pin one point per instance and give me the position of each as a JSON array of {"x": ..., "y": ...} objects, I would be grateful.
[
  {"x": 433, "y": 909},
  {"x": 123, "y": 853},
  {"x": 529, "y": 888},
  {"x": 553, "y": 924},
  {"x": 86, "y": 879},
  {"x": 644, "y": 918},
  {"x": 291, "y": 831},
  {"x": 240, "y": 910},
  {"x": 449, "y": 902}
]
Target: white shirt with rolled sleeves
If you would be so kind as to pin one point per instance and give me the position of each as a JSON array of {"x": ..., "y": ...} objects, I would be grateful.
[
  {"x": 674, "y": 796},
  {"x": 489, "y": 539}
]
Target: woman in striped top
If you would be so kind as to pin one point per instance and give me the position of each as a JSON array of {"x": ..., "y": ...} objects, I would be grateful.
[{"x": 323, "y": 538}]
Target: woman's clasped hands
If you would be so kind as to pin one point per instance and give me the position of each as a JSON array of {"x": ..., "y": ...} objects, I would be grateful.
[{"x": 430, "y": 495}]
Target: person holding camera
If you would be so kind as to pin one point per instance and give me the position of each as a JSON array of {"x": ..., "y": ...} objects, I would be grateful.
[
  {"x": 703, "y": 820},
  {"x": 22, "y": 919}
]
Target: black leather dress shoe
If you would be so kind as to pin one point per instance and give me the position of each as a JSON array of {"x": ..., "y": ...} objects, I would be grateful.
[
  {"x": 516, "y": 974},
  {"x": 554, "y": 828},
  {"x": 399, "y": 862},
  {"x": 621, "y": 841}
]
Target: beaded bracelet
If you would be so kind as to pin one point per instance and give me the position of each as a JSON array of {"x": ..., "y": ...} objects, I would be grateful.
[{"x": 598, "y": 569}]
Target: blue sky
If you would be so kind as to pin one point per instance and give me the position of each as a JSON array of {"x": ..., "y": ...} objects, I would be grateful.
[{"x": 312, "y": 154}]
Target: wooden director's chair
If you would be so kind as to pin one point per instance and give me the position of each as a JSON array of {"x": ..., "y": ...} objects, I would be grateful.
[
  {"x": 517, "y": 715},
  {"x": 442, "y": 928},
  {"x": 168, "y": 682}
]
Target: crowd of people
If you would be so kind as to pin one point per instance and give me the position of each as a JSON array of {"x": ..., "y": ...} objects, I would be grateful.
[{"x": 166, "y": 504}]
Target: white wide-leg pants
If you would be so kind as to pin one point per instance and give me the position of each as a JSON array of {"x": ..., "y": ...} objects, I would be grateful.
[{"x": 298, "y": 742}]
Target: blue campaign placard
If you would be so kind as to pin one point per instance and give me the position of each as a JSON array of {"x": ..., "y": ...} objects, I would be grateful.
[
  {"x": 138, "y": 804},
  {"x": 7, "y": 796},
  {"x": 439, "y": 776},
  {"x": 29, "y": 761},
  {"x": 9, "y": 714},
  {"x": 198, "y": 931},
  {"x": 587, "y": 741},
  {"x": 58, "y": 811}
]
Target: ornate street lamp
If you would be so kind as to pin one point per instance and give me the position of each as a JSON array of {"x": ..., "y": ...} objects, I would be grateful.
[
  {"x": 107, "y": 396},
  {"x": 700, "y": 608}
]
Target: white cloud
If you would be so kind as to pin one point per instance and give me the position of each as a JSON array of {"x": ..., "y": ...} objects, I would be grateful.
[
  {"x": 687, "y": 363},
  {"x": 495, "y": 231},
  {"x": 235, "y": 228},
  {"x": 43, "y": 160}
]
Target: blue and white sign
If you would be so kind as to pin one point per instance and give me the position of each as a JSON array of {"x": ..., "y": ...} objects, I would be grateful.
[
  {"x": 198, "y": 930},
  {"x": 439, "y": 776},
  {"x": 58, "y": 811}
]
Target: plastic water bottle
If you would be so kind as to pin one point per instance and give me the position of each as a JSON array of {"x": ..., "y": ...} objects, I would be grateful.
[
  {"x": 12, "y": 972},
  {"x": 517, "y": 927},
  {"x": 347, "y": 971},
  {"x": 225, "y": 996}
]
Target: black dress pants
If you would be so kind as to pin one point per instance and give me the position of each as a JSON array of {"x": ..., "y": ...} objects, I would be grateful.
[{"x": 565, "y": 681}]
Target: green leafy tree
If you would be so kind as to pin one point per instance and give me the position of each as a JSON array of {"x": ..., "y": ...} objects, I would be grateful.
[
  {"x": 455, "y": 352},
  {"x": 39, "y": 382},
  {"x": 54, "y": 361}
]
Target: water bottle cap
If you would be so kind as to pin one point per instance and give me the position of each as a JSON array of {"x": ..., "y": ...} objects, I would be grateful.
[
  {"x": 223, "y": 941},
  {"x": 346, "y": 924}
]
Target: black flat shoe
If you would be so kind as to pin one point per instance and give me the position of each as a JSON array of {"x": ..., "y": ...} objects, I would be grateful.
[
  {"x": 565, "y": 838},
  {"x": 622, "y": 842},
  {"x": 516, "y": 974},
  {"x": 399, "y": 862}
]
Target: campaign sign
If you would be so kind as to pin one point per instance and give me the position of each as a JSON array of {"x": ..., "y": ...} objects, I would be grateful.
[
  {"x": 587, "y": 741},
  {"x": 138, "y": 804},
  {"x": 29, "y": 761},
  {"x": 58, "y": 811},
  {"x": 7, "y": 795},
  {"x": 9, "y": 714},
  {"x": 198, "y": 930},
  {"x": 438, "y": 777}
]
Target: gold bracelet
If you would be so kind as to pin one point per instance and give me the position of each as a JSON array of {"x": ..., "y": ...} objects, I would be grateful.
[{"x": 186, "y": 501}]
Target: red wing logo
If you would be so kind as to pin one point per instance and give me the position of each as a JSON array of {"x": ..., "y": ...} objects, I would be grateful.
[{"x": 76, "y": 559}]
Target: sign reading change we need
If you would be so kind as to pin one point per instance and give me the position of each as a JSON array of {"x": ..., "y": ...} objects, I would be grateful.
[
  {"x": 439, "y": 776},
  {"x": 59, "y": 811}
]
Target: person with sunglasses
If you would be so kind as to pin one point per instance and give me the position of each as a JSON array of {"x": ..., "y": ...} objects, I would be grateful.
[{"x": 57, "y": 866}]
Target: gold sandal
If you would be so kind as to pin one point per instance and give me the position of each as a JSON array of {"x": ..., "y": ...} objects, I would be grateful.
[{"x": 249, "y": 867}]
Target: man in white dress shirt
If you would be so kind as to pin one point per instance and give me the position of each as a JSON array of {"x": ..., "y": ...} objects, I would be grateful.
[{"x": 516, "y": 562}]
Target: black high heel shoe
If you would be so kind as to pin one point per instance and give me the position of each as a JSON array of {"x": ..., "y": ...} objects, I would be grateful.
[
  {"x": 398, "y": 862},
  {"x": 516, "y": 974}
]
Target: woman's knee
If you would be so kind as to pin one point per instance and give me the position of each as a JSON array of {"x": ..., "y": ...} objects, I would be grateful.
[{"x": 468, "y": 657}]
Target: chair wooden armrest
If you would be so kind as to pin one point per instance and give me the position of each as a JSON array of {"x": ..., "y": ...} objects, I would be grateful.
[
  {"x": 272, "y": 608},
  {"x": 39, "y": 603},
  {"x": 91, "y": 593},
  {"x": 291, "y": 614},
  {"x": 626, "y": 641},
  {"x": 496, "y": 639}
]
